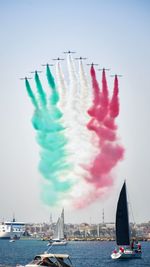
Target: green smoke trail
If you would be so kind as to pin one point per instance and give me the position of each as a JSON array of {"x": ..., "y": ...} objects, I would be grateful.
[
  {"x": 30, "y": 93},
  {"x": 54, "y": 98},
  {"x": 52, "y": 164},
  {"x": 51, "y": 138},
  {"x": 54, "y": 94},
  {"x": 46, "y": 121},
  {"x": 40, "y": 90}
]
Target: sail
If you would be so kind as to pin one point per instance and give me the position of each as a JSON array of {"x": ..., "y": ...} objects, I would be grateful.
[
  {"x": 122, "y": 219},
  {"x": 59, "y": 230}
]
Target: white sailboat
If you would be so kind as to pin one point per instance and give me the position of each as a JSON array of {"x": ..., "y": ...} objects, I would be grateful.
[
  {"x": 58, "y": 238},
  {"x": 125, "y": 248}
]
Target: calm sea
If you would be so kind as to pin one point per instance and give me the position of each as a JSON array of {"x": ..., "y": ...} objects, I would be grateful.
[{"x": 83, "y": 253}]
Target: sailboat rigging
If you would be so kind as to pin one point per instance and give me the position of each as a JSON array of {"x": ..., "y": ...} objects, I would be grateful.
[
  {"x": 126, "y": 248},
  {"x": 59, "y": 238}
]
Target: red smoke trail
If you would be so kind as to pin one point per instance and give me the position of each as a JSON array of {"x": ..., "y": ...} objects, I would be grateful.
[
  {"x": 113, "y": 107},
  {"x": 96, "y": 92},
  {"x": 114, "y": 104},
  {"x": 105, "y": 93},
  {"x": 103, "y": 113}
]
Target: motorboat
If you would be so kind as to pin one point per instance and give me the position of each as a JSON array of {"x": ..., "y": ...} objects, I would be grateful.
[
  {"x": 53, "y": 260},
  {"x": 127, "y": 248}
]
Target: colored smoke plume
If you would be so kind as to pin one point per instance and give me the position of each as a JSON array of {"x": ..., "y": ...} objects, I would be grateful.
[
  {"x": 77, "y": 133},
  {"x": 103, "y": 113}
]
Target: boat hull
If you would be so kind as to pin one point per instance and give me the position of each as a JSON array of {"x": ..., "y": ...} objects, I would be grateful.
[
  {"x": 127, "y": 254},
  {"x": 5, "y": 237},
  {"x": 57, "y": 243},
  {"x": 34, "y": 265},
  {"x": 10, "y": 235}
]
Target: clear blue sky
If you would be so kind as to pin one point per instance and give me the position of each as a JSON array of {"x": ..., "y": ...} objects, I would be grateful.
[{"x": 114, "y": 34}]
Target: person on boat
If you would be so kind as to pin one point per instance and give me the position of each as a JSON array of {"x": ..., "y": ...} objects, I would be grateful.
[
  {"x": 139, "y": 247},
  {"x": 47, "y": 262},
  {"x": 115, "y": 251},
  {"x": 36, "y": 260},
  {"x": 121, "y": 249},
  {"x": 132, "y": 244},
  {"x": 61, "y": 262}
]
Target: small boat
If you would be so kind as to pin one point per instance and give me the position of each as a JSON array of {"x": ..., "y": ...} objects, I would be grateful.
[
  {"x": 57, "y": 242},
  {"x": 53, "y": 260},
  {"x": 12, "y": 240},
  {"x": 58, "y": 239},
  {"x": 126, "y": 248}
]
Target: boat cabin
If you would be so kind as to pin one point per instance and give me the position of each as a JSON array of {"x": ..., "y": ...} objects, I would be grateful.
[{"x": 52, "y": 260}]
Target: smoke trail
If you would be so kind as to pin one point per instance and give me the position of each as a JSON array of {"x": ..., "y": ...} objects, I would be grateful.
[
  {"x": 85, "y": 100},
  {"x": 72, "y": 122},
  {"x": 96, "y": 93},
  {"x": 105, "y": 95},
  {"x": 110, "y": 153},
  {"x": 85, "y": 93},
  {"x": 30, "y": 93},
  {"x": 42, "y": 95},
  {"x": 81, "y": 141},
  {"x": 54, "y": 94},
  {"x": 79, "y": 145},
  {"x": 62, "y": 88},
  {"x": 54, "y": 97},
  {"x": 114, "y": 104},
  {"x": 50, "y": 136}
]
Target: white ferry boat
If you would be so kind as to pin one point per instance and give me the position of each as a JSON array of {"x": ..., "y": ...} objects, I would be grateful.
[{"x": 11, "y": 229}]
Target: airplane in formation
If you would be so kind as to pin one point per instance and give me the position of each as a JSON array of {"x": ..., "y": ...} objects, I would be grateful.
[
  {"x": 69, "y": 52},
  {"x": 36, "y": 71},
  {"x": 103, "y": 69},
  {"x": 80, "y": 58},
  {"x": 58, "y": 58},
  {"x": 116, "y": 75},
  {"x": 26, "y": 78},
  {"x": 92, "y": 64},
  {"x": 46, "y": 65}
]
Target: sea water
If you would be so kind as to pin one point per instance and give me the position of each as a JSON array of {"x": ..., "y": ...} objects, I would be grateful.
[{"x": 82, "y": 253}]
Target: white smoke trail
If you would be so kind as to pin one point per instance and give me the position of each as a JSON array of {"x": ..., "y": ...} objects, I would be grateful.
[
  {"x": 62, "y": 88},
  {"x": 65, "y": 104},
  {"x": 75, "y": 99},
  {"x": 86, "y": 94},
  {"x": 86, "y": 97},
  {"x": 80, "y": 143},
  {"x": 72, "y": 113}
]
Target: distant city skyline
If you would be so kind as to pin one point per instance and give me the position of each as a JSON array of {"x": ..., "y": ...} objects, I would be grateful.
[{"x": 113, "y": 34}]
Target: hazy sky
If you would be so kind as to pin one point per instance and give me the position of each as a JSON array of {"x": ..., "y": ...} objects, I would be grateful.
[{"x": 112, "y": 33}]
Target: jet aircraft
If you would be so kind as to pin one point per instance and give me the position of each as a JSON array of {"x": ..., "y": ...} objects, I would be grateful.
[
  {"x": 45, "y": 65},
  {"x": 80, "y": 58},
  {"x": 26, "y": 78},
  {"x": 58, "y": 58},
  {"x": 116, "y": 75},
  {"x": 36, "y": 71},
  {"x": 103, "y": 69},
  {"x": 92, "y": 64},
  {"x": 69, "y": 52}
]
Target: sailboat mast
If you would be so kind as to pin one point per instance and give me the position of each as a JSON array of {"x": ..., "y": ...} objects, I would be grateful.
[{"x": 122, "y": 219}]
